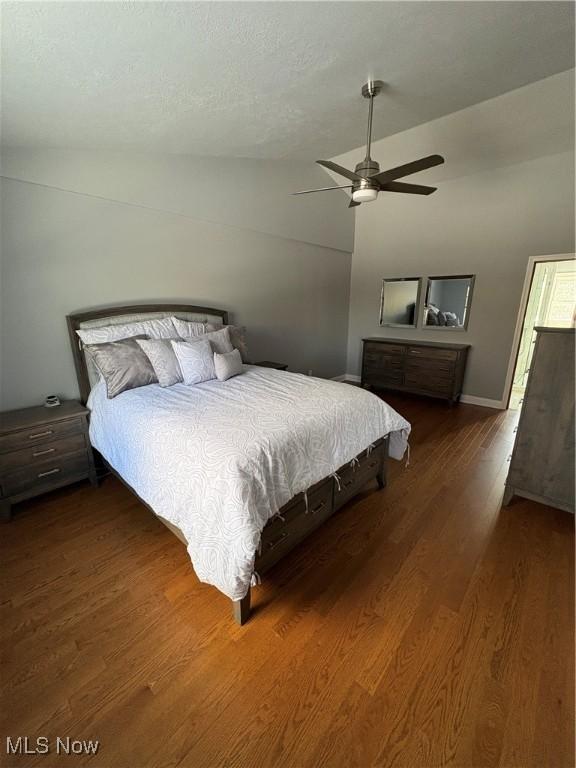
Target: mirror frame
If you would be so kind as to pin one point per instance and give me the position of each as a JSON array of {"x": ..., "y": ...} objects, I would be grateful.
[
  {"x": 417, "y": 305},
  {"x": 457, "y": 328}
]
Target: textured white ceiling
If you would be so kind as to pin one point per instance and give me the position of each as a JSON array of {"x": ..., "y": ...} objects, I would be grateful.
[{"x": 264, "y": 79}]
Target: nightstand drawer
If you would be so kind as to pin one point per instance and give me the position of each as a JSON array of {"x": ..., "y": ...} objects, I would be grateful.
[
  {"x": 46, "y": 474},
  {"x": 45, "y": 451},
  {"x": 40, "y": 434}
]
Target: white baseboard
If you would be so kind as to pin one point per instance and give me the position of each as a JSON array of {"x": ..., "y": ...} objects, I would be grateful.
[
  {"x": 347, "y": 377},
  {"x": 467, "y": 399},
  {"x": 483, "y": 401}
]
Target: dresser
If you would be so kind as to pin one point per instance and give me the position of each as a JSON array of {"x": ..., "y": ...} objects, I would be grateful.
[
  {"x": 429, "y": 368},
  {"x": 542, "y": 463},
  {"x": 42, "y": 449}
]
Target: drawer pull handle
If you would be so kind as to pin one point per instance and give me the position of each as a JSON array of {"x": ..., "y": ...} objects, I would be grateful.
[
  {"x": 348, "y": 484},
  {"x": 373, "y": 464},
  {"x": 49, "y": 472},
  {"x": 319, "y": 507},
  {"x": 42, "y": 453},
  {"x": 280, "y": 538},
  {"x": 41, "y": 434}
]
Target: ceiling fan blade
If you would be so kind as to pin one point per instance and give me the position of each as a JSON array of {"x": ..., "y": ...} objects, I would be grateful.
[
  {"x": 322, "y": 189},
  {"x": 411, "y": 189},
  {"x": 339, "y": 169},
  {"x": 353, "y": 204},
  {"x": 409, "y": 168}
]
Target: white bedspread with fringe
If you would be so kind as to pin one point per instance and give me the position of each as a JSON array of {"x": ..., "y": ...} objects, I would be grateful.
[{"x": 219, "y": 459}]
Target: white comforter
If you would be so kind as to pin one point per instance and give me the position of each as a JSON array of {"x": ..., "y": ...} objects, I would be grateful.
[{"x": 219, "y": 459}]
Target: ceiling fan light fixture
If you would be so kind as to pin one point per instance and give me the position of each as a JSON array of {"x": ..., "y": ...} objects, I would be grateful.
[{"x": 365, "y": 195}]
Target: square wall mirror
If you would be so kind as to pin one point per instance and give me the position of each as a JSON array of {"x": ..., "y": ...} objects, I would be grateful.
[
  {"x": 399, "y": 301},
  {"x": 447, "y": 303}
]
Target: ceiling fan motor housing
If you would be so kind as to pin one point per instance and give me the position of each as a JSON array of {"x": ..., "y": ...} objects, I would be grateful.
[{"x": 366, "y": 168}]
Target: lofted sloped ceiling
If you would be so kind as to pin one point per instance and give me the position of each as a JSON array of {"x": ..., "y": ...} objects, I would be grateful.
[{"x": 263, "y": 79}]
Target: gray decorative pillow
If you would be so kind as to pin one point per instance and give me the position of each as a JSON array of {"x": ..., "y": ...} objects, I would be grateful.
[
  {"x": 237, "y": 337},
  {"x": 227, "y": 365},
  {"x": 219, "y": 339},
  {"x": 122, "y": 364},
  {"x": 196, "y": 360},
  {"x": 163, "y": 359}
]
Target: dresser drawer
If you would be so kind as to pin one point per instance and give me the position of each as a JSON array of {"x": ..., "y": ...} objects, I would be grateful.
[
  {"x": 432, "y": 353},
  {"x": 436, "y": 385},
  {"x": 382, "y": 378},
  {"x": 375, "y": 347},
  {"x": 35, "y": 454},
  {"x": 46, "y": 474},
  {"x": 372, "y": 360},
  {"x": 421, "y": 366},
  {"x": 41, "y": 434}
]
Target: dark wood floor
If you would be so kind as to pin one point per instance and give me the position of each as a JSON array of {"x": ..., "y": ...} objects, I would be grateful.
[{"x": 423, "y": 626}]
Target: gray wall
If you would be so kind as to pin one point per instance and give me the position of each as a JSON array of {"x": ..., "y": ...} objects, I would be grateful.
[
  {"x": 278, "y": 264},
  {"x": 492, "y": 211},
  {"x": 489, "y": 225}
]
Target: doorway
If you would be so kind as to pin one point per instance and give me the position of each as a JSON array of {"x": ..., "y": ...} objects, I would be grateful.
[{"x": 551, "y": 302}]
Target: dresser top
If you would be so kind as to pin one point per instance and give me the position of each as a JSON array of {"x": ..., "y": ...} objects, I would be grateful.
[
  {"x": 549, "y": 329},
  {"x": 23, "y": 418},
  {"x": 416, "y": 342}
]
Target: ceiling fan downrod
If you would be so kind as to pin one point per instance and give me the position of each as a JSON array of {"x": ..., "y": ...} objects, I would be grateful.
[{"x": 369, "y": 90}]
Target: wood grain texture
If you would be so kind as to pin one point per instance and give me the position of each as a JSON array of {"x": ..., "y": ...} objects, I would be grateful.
[
  {"x": 422, "y": 625},
  {"x": 542, "y": 465}
]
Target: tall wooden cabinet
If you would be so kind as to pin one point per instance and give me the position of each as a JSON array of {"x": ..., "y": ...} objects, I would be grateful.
[{"x": 542, "y": 463}]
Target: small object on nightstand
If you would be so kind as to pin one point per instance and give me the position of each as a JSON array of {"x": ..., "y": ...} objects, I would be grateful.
[
  {"x": 42, "y": 449},
  {"x": 52, "y": 401},
  {"x": 272, "y": 364}
]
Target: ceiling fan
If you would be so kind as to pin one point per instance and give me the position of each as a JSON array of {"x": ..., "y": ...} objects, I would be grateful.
[{"x": 367, "y": 178}]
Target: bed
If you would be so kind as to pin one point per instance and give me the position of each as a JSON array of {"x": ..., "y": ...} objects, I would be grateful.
[{"x": 240, "y": 471}]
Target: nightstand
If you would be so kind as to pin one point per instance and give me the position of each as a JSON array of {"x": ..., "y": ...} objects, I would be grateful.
[
  {"x": 42, "y": 449},
  {"x": 272, "y": 364}
]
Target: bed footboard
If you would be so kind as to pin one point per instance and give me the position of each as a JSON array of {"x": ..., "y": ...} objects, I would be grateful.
[{"x": 307, "y": 511}]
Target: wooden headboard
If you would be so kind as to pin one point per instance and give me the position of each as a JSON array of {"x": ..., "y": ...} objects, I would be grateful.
[{"x": 102, "y": 316}]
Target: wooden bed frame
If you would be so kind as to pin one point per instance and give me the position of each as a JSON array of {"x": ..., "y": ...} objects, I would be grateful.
[{"x": 306, "y": 511}]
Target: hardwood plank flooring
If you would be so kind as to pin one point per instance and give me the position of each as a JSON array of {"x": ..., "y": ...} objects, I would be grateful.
[{"x": 423, "y": 625}]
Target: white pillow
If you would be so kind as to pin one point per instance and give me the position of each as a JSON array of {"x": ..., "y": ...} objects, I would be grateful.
[
  {"x": 228, "y": 364},
  {"x": 156, "y": 328},
  {"x": 196, "y": 360},
  {"x": 185, "y": 328}
]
